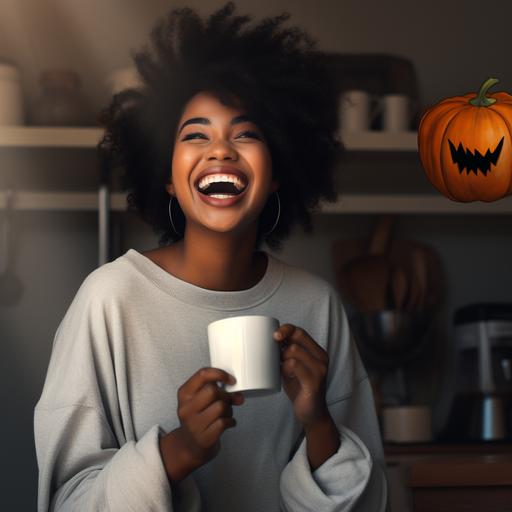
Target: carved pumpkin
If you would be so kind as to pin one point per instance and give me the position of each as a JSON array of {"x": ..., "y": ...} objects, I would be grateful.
[{"x": 465, "y": 148}]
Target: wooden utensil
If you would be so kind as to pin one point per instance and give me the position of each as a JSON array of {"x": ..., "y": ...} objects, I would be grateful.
[
  {"x": 343, "y": 251},
  {"x": 366, "y": 278}
]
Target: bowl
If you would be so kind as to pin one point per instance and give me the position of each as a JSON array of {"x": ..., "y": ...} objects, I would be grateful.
[{"x": 390, "y": 337}]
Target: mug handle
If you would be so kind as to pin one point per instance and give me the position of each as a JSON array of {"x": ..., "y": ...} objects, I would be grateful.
[{"x": 378, "y": 107}]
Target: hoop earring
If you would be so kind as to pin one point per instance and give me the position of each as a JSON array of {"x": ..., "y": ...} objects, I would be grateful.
[
  {"x": 170, "y": 217},
  {"x": 278, "y": 215}
]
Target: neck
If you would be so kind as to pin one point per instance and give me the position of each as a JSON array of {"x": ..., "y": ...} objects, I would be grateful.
[{"x": 216, "y": 261}]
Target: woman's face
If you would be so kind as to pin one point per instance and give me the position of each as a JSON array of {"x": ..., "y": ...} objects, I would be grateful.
[{"x": 221, "y": 167}]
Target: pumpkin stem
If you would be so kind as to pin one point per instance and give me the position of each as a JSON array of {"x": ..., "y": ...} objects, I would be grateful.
[{"x": 481, "y": 100}]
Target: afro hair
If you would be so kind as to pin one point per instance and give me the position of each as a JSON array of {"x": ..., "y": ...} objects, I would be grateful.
[{"x": 278, "y": 76}]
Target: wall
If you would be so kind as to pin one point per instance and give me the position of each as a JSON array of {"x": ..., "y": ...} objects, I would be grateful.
[{"x": 453, "y": 50}]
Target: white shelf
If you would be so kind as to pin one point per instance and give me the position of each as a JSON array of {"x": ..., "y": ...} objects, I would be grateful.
[
  {"x": 347, "y": 204},
  {"x": 50, "y": 137},
  {"x": 373, "y": 140},
  {"x": 60, "y": 201},
  {"x": 413, "y": 203}
]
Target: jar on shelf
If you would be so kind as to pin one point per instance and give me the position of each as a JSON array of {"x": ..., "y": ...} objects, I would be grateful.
[
  {"x": 60, "y": 102},
  {"x": 11, "y": 96}
]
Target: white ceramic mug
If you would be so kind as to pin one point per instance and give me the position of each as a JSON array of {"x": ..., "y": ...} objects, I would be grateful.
[
  {"x": 11, "y": 96},
  {"x": 407, "y": 424},
  {"x": 397, "y": 112},
  {"x": 244, "y": 347},
  {"x": 356, "y": 110}
]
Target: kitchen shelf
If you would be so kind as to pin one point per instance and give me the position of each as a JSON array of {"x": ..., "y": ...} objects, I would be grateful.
[
  {"x": 373, "y": 140},
  {"x": 347, "y": 204},
  {"x": 57, "y": 137},
  {"x": 369, "y": 142},
  {"x": 48, "y": 137},
  {"x": 413, "y": 204}
]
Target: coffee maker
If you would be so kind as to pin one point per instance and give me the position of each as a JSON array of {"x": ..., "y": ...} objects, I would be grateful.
[{"x": 482, "y": 406}]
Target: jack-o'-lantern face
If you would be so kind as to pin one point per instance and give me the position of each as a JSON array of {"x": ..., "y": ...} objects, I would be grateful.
[
  {"x": 465, "y": 145},
  {"x": 468, "y": 161}
]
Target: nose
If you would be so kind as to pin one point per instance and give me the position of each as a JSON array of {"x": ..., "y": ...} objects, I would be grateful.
[{"x": 221, "y": 150}]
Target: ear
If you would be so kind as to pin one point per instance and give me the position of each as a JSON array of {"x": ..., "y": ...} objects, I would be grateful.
[{"x": 170, "y": 189}]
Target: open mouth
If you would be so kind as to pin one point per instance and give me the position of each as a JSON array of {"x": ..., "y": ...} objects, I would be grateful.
[{"x": 221, "y": 186}]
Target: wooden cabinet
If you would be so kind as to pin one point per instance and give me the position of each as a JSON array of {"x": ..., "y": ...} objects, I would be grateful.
[{"x": 453, "y": 478}]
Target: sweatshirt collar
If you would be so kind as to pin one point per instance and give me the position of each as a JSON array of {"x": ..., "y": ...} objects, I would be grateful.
[{"x": 210, "y": 299}]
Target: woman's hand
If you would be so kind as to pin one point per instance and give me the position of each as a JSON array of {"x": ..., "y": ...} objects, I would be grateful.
[
  {"x": 205, "y": 412},
  {"x": 304, "y": 366}
]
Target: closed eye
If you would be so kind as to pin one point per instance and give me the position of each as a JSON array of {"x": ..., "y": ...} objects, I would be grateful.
[
  {"x": 193, "y": 136},
  {"x": 253, "y": 135},
  {"x": 246, "y": 133}
]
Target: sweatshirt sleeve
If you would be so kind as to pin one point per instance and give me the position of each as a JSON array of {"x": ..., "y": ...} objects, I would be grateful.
[
  {"x": 352, "y": 479},
  {"x": 85, "y": 461}
]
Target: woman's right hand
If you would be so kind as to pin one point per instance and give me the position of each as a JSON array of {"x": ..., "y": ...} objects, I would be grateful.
[{"x": 205, "y": 412}]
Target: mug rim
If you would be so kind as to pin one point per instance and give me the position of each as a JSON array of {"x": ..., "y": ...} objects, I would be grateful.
[{"x": 243, "y": 317}]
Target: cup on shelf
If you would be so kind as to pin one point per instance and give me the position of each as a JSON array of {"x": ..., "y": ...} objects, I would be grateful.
[
  {"x": 11, "y": 96},
  {"x": 60, "y": 102},
  {"x": 356, "y": 110},
  {"x": 397, "y": 112}
]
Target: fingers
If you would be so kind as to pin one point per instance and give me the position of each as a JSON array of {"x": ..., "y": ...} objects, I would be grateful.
[
  {"x": 216, "y": 415},
  {"x": 201, "y": 397},
  {"x": 202, "y": 377},
  {"x": 297, "y": 361},
  {"x": 211, "y": 393},
  {"x": 288, "y": 334},
  {"x": 205, "y": 411},
  {"x": 218, "y": 426}
]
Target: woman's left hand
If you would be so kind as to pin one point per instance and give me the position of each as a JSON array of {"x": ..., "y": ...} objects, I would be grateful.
[{"x": 304, "y": 366}]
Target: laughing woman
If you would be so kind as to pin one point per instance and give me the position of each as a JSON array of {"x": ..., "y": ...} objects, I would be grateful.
[{"x": 229, "y": 142}]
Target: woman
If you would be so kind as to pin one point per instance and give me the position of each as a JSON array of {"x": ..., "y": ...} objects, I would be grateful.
[{"x": 227, "y": 145}]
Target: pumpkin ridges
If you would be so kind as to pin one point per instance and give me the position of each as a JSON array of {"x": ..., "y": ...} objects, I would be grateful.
[
  {"x": 430, "y": 124},
  {"x": 479, "y": 132},
  {"x": 484, "y": 188},
  {"x": 503, "y": 108},
  {"x": 501, "y": 97},
  {"x": 497, "y": 186},
  {"x": 455, "y": 183},
  {"x": 483, "y": 127},
  {"x": 443, "y": 121}
]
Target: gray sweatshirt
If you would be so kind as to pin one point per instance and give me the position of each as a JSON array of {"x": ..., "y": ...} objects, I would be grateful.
[{"x": 131, "y": 337}]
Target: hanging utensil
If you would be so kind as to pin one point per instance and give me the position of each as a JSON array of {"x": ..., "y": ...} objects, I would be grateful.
[
  {"x": 367, "y": 276},
  {"x": 11, "y": 286}
]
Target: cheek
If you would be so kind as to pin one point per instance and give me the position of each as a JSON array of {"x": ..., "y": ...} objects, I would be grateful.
[
  {"x": 261, "y": 161},
  {"x": 182, "y": 161}
]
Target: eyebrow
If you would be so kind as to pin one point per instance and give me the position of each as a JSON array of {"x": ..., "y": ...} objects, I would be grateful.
[{"x": 206, "y": 121}]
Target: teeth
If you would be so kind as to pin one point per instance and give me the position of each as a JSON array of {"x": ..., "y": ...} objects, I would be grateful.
[
  {"x": 215, "y": 178},
  {"x": 222, "y": 196}
]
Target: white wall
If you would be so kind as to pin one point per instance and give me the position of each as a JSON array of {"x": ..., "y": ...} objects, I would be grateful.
[{"x": 454, "y": 46}]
